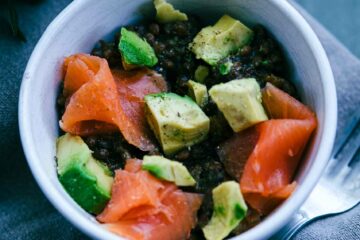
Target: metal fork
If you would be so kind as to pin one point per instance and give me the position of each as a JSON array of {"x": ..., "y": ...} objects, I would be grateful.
[{"x": 338, "y": 190}]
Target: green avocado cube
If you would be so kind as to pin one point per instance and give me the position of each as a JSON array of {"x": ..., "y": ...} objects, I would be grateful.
[
  {"x": 201, "y": 73},
  {"x": 135, "y": 51},
  {"x": 229, "y": 210},
  {"x": 86, "y": 180},
  {"x": 214, "y": 43},
  {"x": 198, "y": 92},
  {"x": 165, "y": 12},
  {"x": 168, "y": 170},
  {"x": 177, "y": 122},
  {"x": 240, "y": 102}
]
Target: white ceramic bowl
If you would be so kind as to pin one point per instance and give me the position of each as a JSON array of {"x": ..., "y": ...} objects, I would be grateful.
[{"x": 84, "y": 22}]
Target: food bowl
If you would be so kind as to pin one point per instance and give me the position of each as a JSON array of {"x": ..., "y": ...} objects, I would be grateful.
[{"x": 84, "y": 22}]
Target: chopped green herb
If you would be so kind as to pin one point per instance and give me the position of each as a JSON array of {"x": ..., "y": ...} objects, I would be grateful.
[{"x": 225, "y": 68}]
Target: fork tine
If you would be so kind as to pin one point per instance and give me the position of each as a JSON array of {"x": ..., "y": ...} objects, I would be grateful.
[
  {"x": 346, "y": 162},
  {"x": 345, "y": 153},
  {"x": 353, "y": 175},
  {"x": 354, "y": 159},
  {"x": 353, "y": 146},
  {"x": 342, "y": 138}
]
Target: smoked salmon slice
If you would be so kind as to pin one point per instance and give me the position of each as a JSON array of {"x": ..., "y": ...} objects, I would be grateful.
[
  {"x": 93, "y": 104},
  {"x": 150, "y": 209},
  {"x": 274, "y": 160},
  {"x": 267, "y": 164},
  {"x": 78, "y": 70},
  {"x": 132, "y": 87},
  {"x": 280, "y": 105},
  {"x": 132, "y": 191},
  {"x": 154, "y": 227},
  {"x": 133, "y": 165},
  {"x": 101, "y": 101},
  {"x": 265, "y": 204},
  {"x": 235, "y": 151}
]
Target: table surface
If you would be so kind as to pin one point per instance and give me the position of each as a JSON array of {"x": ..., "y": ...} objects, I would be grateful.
[{"x": 340, "y": 17}]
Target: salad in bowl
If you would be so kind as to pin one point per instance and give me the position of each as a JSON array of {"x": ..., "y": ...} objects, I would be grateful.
[{"x": 177, "y": 129}]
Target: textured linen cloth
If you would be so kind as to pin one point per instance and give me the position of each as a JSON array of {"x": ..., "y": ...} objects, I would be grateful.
[{"x": 24, "y": 211}]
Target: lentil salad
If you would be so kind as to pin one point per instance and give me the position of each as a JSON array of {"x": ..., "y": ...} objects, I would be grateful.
[{"x": 261, "y": 59}]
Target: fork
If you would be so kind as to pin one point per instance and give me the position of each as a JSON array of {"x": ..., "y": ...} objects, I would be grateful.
[{"x": 338, "y": 190}]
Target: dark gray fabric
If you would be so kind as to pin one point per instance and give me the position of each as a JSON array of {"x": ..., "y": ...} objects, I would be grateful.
[
  {"x": 346, "y": 69},
  {"x": 335, "y": 15},
  {"x": 24, "y": 211}
]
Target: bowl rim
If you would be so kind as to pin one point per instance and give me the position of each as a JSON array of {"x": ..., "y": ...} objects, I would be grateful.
[{"x": 263, "y": 230}]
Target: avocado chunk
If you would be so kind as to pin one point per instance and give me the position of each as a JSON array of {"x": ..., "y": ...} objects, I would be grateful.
[
  {"x": 214, "y": 43},
  {"x": 198, "y": 92},
  {"x": 177, "y": 122},
  {"x": 135, "y": 51},
  {"x": 240, "y": 102},
  {"x": 229, "y": 210},
  {"x": 86, "y": 180},
  {"x": 165, "y": 12},
  {"x": 168, "y": 170},
  {"x": 201, "y": 73}
]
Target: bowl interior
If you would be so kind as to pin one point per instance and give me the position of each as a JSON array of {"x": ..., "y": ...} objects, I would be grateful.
[{"x": 83, "y": 23}]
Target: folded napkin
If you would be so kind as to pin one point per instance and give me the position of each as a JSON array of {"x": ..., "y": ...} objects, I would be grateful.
[
  {"x": 346, "y": 69},
  {"x": 24, "y": 211}
]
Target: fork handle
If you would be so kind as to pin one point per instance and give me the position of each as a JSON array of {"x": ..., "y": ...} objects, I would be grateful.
[{"x": 295, "y": 223}]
